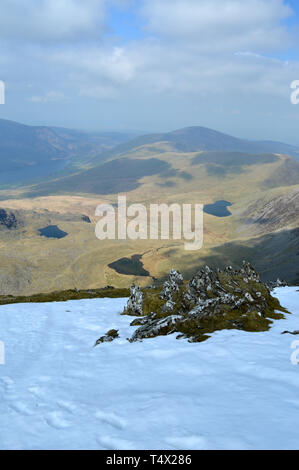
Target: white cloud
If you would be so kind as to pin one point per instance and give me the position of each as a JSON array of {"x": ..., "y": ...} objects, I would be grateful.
[
  {"x": 101, "y": 72},
  {"x": 52, "y": 20},
  {"x": 153, "y": 68},
  {"x": 196, "y": 54},
  {"x": 50, "y": 96},
  {"x": 220, "y": 24},
  {"x": 112, "y": 64},
  {"x": 203, "y": 47}
]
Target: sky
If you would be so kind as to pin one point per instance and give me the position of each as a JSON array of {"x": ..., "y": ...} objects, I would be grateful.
[{"x": 152, "y": 65}]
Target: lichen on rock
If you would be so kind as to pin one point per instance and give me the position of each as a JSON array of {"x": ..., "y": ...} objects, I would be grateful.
[
  {"x": 210, "y": 301},
  {"x": 134, "y": 305},
  {"x": 172, "y": 285}
]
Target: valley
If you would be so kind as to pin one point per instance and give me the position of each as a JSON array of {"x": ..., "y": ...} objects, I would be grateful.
[{"x": 251, "y": 211}]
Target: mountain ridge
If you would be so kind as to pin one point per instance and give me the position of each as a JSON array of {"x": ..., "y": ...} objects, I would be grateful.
[
  {"x": 194, "y": 138},
  {"x": 29, "y": 152}
]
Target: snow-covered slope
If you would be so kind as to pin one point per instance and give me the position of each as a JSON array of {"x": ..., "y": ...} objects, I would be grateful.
[{"x": 236, "y": 390}]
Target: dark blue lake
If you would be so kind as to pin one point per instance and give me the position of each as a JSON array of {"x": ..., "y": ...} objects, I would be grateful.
[
  {"x": 129, "y": 266},
  {"x": 219, "y": 209},
  {"x": 52, "y": 231}
]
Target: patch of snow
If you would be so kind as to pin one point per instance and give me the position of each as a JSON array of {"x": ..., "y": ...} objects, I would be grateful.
[{"x": 237, "y": 390}]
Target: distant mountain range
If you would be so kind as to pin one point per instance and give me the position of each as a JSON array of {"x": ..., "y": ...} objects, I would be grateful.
[
  {"x": 121, "y": 168},
  {"x": 192, "y": 139},
  {"x": 30, "y": 152}
]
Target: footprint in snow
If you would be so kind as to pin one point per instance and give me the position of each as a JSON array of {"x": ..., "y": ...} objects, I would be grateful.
[
  {"x": 111, "y": 418},
  {"x": 114, "y": 443},
  {"x": 38, "y": 392},
  {"x": 56, "y": 420},
  {"x": 7, "y": 383},
  {"x": 21, "y": 408},
  {"x": 67, "y": 406}
]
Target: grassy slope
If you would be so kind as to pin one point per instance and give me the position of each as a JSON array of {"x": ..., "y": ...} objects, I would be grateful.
[
  {"x": 30, "y": 263},
  {"x": 63, "y": 296}
]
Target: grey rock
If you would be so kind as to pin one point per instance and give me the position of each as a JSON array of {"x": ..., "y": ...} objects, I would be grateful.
[
  {"x": 110, "y": 336},
  {"x": 172, "y": 285},
  {"x": 279, "y": 283},
  {"x": 134, "y": 304},
  {"x": 153, "y": 327},
  {"x": 249, "y": 272}
]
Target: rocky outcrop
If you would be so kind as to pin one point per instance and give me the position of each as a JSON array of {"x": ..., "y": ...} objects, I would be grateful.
[
  {"x": 279, "y": 283},
  {"x": 8, "y": 220},
  {"x": 110, "y": 336},
  {"x": 212, "y": 300}
]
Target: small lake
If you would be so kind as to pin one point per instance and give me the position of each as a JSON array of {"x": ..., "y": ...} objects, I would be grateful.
[
  {"x": 129, "y": 266},
  {"x": 219, "y": 209},
  {"x": 52, "y": 231}
]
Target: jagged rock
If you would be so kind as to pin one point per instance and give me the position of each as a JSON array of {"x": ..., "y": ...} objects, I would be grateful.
[
  {"x": 204, "y": 285},
  {"x": 168, "y": 306},
  {"x": 155, "y": 327},
  {"x": 172, "y": 285},
  {"x": 279, "y": 283},
  {"x": 211, "y": 300},
  {"x": 249, "y": 272},
  {"x": 111, "y": 335},
  {"x": 134, "y": 305}
]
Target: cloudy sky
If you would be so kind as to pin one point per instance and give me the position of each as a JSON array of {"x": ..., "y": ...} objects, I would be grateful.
[{"x": 152, "y": 65}]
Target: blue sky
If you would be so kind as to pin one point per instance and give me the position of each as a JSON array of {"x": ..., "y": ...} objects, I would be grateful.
[
  {"x": 295, "y": 7},
  {"x": 152, "y": 65},
  {"x": 126, "y": 22}
]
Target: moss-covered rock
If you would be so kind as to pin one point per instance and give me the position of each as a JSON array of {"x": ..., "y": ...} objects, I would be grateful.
[
  {"x": 111, "y": 335},
  {"x": 210, "y": 301}
]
